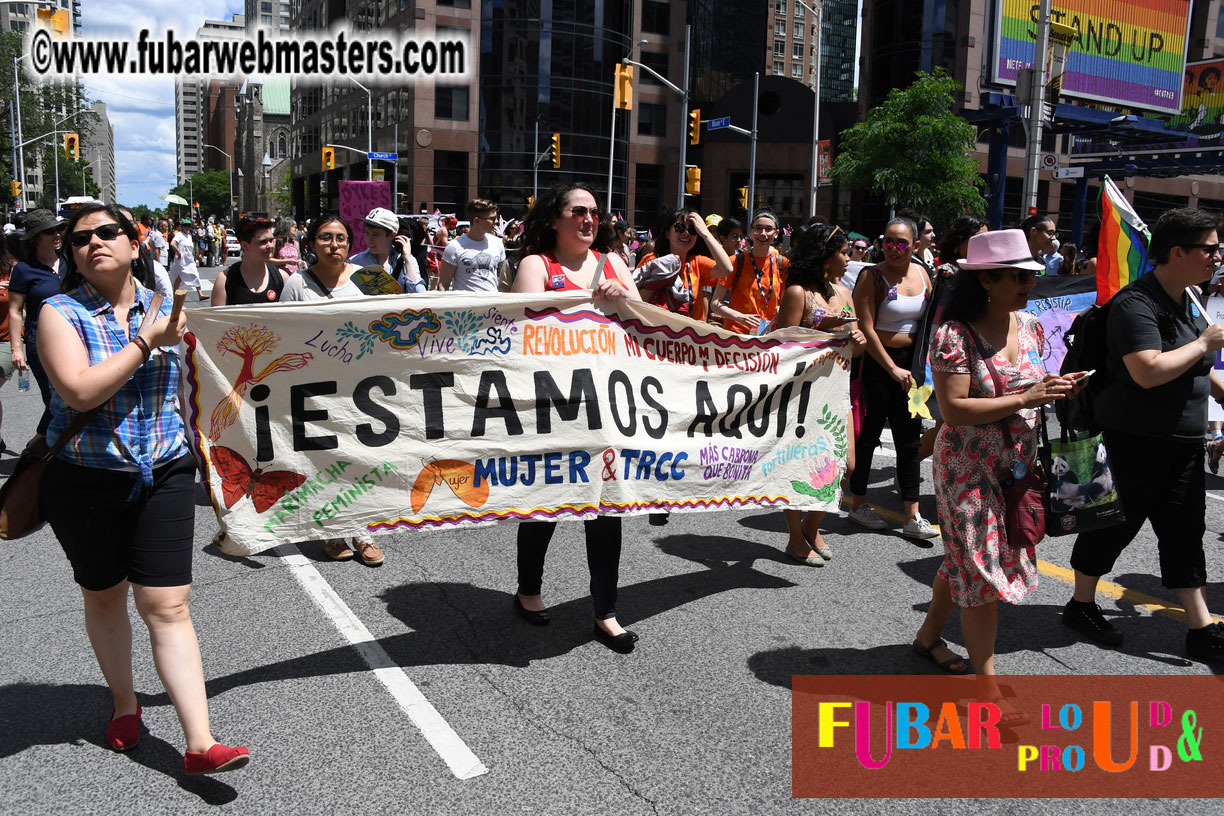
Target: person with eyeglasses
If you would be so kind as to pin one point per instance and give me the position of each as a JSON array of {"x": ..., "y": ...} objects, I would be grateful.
[
  {"x": 33, "y": 280},
  {"x": 567, "y": 247},
  {"x": 748, "y": 303},
  {"x": 1159, "y": 370},
  {"x": 990, "y": 380},
  {"x": 131, "y": 475},
  {"x": 890, "y": 299},
  {"x": 473, "y": 261},
  {"x": 1043, "y": 243},
  {"x": 858, "y": 250},
  {"x": 679, "y": 231},
  {"x": 330, "y": 278}
]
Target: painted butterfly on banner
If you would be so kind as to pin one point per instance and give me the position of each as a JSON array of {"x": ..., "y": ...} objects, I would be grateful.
[
  {"x": 237, "y": 480},
  {"x": 456, "y": 474}
]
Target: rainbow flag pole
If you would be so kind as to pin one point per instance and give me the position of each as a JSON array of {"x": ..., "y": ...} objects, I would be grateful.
[{"x": 1122, "y": 247}]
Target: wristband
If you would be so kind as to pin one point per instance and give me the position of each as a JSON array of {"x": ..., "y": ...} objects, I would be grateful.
[{"x": 140, "y": 343}]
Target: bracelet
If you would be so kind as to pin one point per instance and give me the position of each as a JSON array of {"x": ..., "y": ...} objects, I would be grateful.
[{"x": 140, "y": 343}]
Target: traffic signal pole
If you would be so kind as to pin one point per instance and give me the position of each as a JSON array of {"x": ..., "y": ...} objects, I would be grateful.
[
  {"x": 683, "y": 93},
  {"x": 1032, "y": 156}
]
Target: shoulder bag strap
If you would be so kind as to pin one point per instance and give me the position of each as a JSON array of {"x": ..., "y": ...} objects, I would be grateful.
[
  {"x": 319, "y": 283},
  {"x": 988, "y": 359},
  {"x": 75, "y": 428}
]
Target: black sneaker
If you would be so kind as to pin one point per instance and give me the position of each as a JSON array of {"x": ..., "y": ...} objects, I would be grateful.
[
  {"x": 1206, "y": 643},
  {"x": 1086, "y": 618}
]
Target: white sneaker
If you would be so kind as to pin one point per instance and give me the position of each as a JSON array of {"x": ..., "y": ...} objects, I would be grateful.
[
  {"x": 918, "y": 527},
  {"x": 864, "y": 516}
]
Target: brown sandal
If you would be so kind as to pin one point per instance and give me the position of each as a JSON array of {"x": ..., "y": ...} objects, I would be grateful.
[{"x": 336, "y": 549}]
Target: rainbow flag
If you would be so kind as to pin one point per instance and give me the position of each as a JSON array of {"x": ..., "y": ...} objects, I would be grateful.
[{"x": 1122, "y": 247}]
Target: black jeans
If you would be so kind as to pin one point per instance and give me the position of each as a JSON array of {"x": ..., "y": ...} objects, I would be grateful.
[
  {"x": 603, "y": 546},
  {"x": 887, "y": 402},
  {"x": 40, "y": 377},
  {"x": 1160, "y": 480}
]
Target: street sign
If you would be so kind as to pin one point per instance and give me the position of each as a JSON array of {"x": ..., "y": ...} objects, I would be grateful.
[
  {"x": 383, "y": 156},
  {"x": 1049, "y": 161},
  {"x": 718, "y": 124},
  {"x": 1069, "y": 172}
]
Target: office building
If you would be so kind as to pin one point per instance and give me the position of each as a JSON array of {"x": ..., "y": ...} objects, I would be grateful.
[
  {"x": 98, "y": 151},
  {"x": 792, "y": 45},
  {"x": 204, "y": 109}
]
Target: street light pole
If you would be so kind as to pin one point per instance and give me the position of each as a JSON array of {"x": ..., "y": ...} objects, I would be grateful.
[
  {"x": 22, "y": 200},
  {"x": 369, "y": 127},
  {"x": 1032, "y": 156},
  {"x": 817, "y": 13},
  {"x": 612, "y": 133},
  {"x": 683, "y": 93}
]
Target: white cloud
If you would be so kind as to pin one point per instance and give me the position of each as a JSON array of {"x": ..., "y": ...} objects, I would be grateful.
[{"x": 142, "y": 108}]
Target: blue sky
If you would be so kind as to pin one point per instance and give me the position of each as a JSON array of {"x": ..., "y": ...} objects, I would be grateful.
[{"x": 142, "y": 108}]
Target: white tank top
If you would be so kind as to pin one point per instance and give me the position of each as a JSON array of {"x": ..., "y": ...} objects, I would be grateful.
[{"x": 901, "y": 313}]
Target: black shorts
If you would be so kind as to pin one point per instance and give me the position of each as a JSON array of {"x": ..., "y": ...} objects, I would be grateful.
[{"x": 107, "y": 538}]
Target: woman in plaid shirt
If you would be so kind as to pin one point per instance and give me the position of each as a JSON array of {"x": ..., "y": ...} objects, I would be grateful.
[{"x": 130, "y": 474}]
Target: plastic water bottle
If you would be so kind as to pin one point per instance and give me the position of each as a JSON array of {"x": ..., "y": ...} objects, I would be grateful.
[{"x": 23, "y": 380}]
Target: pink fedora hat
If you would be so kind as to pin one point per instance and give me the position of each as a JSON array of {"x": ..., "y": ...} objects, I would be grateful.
[{"x": 1003, "y": 249}]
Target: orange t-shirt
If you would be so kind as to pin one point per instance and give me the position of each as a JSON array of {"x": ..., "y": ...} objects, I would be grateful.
[
  {"x": 142, "y": 233},
  {"x": 698, "y": 272},
  {"x": 758, "y": 287}
]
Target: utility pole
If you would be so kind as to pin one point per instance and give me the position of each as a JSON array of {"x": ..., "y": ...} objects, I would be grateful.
[
  {"x": 1032, "y": 155},
  {"x": 756, "y": 93},
  {"x": 816, "y": 12}
]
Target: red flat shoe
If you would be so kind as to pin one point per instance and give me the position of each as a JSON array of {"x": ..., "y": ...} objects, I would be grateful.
[
  {"x": 216, "y": 759},
  {"x": 123, "y": 733}
]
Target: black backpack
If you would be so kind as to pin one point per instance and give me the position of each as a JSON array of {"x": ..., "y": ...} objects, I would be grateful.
[{"x": 1087, "y": 344}]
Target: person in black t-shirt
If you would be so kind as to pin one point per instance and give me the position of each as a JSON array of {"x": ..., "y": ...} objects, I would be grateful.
[
  {"x": 254, "y": 279},
  {"x": 1154, "y": 414}
]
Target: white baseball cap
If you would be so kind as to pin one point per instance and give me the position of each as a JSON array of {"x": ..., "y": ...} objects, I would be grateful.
[{"x": 382, "y": 217}]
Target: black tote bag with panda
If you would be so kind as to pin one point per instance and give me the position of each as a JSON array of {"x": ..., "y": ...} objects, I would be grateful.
[{"x": 1082, "y": 495}]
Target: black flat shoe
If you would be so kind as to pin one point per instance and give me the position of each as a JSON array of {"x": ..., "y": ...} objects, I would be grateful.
[
  {"x": 540, "y": 618},
  {"x": 622, "y": 643}
]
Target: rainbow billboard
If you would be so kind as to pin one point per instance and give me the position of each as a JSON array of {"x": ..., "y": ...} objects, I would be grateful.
[{"x": 1126, "y": 52}]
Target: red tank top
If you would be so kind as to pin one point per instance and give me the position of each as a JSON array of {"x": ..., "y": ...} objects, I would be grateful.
[{"x": 558, "y": 281}]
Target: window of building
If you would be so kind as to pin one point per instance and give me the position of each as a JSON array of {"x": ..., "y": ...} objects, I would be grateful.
[
  {"x": 281, "y": 146},
  {"x": 1220, "y": 26},
  {"x": 780, "y": 7},
  {"x": 450, "y": 179},
  {"x": 656, "y": 60},
  {"x": 800, "y": 11},
  {"x": 656, "y": 17},
  {"x": 779, "y": 28},
  {"x": 451, "y": 102},
  {"x": 797, "y": 51},
  {"x": 20, "y": 9},
  {"x": 800, "y": 28},
  {"x": 779, "y": 48},
  {"x": 652, "y": 119},
  {"x": 20, "y": 26},
  {"x": 463, "y": 4},
  {"x": 266, "y": 8},
  {"x": 797, "y": 70},
  {"x": 266, "y": 19},
  {"x": 778, "y": 68}
]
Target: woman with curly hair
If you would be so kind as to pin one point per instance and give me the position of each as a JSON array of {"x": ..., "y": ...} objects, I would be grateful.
[
  {"x": 567, "y": 247},
  {"x": 815, "y": 299},
  {"x": 678, "y": 231}
]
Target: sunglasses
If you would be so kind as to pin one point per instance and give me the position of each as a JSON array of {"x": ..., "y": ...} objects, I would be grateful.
[
  {"x": 107, "y": 232},
  {"x": 1021, "y": 276},
  {"x": 680, "y": 226},
  {"x": 580, "y": 212},
  {"x": 859, "y": 247},
  {"x": 1210, "y": 249},
  {"x": 896, "y": 246}
]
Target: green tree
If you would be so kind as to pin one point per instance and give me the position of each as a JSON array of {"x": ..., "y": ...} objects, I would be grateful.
[
  {"x": 282, "y": 196},
  {"x": 914, "y": 151},
  {"x": 211, "y": 191},
  {"x": 141, "y": 210}
]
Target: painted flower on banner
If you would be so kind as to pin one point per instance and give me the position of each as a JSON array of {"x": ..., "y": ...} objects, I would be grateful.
[{"x": 403, "y": 330}]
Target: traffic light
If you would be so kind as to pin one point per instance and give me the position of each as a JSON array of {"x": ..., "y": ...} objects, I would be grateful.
[
  {"x": 56, "y": 21},
  {"x": 15, "y": 189},
  {"x": 695, "y": 126},
  {"x": 329, "y": 158},
  {"x": 692, "y": 181},
  {"x": 623, "y": 87},
  {"x": 742, "y": 197},
  {"x": 556, "y": 151},
  {"x": 72, "y": 147}
]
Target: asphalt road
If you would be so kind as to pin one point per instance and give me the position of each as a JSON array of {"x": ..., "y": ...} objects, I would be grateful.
[{"x": 696, "y": 720}]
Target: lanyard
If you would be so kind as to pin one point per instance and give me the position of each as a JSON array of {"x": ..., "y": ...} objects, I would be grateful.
[{"x": 769, "y": 264}]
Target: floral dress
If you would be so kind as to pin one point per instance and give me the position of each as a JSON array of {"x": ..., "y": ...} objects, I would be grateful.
[{"x": 969, "y": 461}]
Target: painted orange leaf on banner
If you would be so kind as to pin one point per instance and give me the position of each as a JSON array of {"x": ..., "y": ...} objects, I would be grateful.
[{"x": 456, "y": 474}]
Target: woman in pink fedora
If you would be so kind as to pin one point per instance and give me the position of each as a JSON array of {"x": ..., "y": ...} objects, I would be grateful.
[{"x": 989, "y": 436}]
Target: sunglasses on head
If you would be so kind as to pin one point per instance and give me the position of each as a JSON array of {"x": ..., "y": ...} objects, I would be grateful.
[
  {"x": 107, "y": 232},
  {"x": 681, "y": 226},
  {"x": 580, "y": 211},
  {"x": 896, "y": 246}
]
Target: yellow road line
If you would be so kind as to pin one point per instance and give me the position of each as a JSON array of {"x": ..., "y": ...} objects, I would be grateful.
[{"x": 1139, "y": 600}]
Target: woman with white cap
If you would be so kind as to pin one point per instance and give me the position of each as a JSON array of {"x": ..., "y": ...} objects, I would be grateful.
[{"x": 987, "y": 363}]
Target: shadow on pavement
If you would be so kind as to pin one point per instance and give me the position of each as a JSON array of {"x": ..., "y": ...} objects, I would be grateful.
[
  {"x": 456, "y": 624},
  {"x": 47, "y": 714}
]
